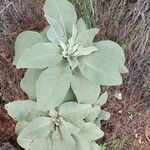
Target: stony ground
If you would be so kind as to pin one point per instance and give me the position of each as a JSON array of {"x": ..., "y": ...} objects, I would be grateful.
[{"x": 125, "y": 21}]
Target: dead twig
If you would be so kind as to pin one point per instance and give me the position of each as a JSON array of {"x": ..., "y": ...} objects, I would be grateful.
[{"x": 6, "y": 7}]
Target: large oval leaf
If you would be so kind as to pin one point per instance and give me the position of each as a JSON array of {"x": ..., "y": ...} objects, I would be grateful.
[
  {"x": 39, "y": 56},
  {"x": 90, "y": 131},
  {"x": 55, "y": 33},
  {"x": 85, "y": 91},
  {"x": 42, "y": 144},
  {"x": 28, "y": 83},
  {"x": 62, "y": 11},
  {"x": 52, "y": 86},
  {"x": 38, "y": 129},
  {"x": 93, "y": 114},
  {"x": 100, "y": 70},
  {"x": 112, "y": 52},
  {"x": 86, "y": 37},
  {"x": 74, "y": 112},
  {"x": 26, "y": 40},
  {"x": 23, "y": 110}
]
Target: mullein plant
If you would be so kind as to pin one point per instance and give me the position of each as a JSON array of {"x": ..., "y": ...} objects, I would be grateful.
[{"x": 65, "y": 70}]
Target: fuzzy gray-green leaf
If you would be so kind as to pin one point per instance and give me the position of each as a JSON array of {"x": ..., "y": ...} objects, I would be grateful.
[
  {"x": 74, "y": 112},
  {"x": 26, "y": 40},
  {"x": 102, "y": 99},
  {"x": 90, "y": 131},
  {"x": 100, "y": 70},
  {"x": 69, "y": 128},
  {"x": 104, "y": 115},
  {"x": 73, "y": 62},
  {"x": 42, "y": 144},
  {"x": 85, "y": 91},
  {"x": 20, "y": 126},
  {"x": 93, "y": 114},
  {"x": 88, "y": 134},
  {"x": 63, "y": 141},
  {"x": 40, "y": 56},
  {"x": 87, "y": 50},
  {"x": 113, "y": 52},
  {"x": 62, "y": 11},
  {"x": 38, "y": 129},
  {"x": 55, "y": 33},
  {"x": 86, "y": 37},
  {"x": 52, "y": 86},
  {"x": 94, "y": 146},
  {"x": 28, "y": 83},
  {"x": 23, "y": 110},
  {"x": 81, "y": 142}
]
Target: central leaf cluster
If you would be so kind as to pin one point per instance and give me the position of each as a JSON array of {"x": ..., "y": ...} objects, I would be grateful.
[
  {"x": 71, "y": 48},
  {"x": 74, "y": 48}
]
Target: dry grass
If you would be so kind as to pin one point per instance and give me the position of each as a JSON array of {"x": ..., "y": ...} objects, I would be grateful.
[
  {"x": 16, "y": 16},
  {"x": 128, "y": 23}
]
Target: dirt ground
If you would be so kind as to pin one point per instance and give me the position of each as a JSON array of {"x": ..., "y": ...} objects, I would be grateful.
[{"x": 125, "y": 21}]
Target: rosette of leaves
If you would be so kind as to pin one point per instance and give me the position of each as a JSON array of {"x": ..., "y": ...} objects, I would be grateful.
[
  {"x": 64, "y": 128},
  {"x": 63, "y": 56},
  {"x": 65, "y": 69}
]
